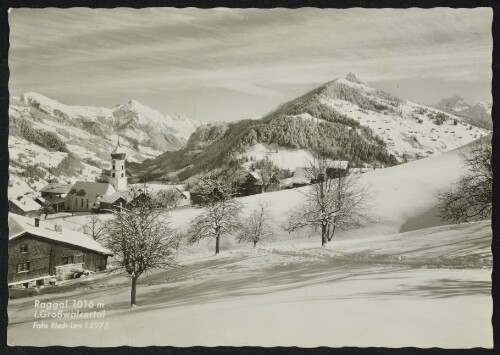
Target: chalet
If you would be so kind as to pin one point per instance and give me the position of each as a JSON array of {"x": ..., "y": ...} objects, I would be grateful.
[
  {"x": 41, "y": 251},
  {"x": 114, "y": 201},
  {"x": 25, "y": 206},
  {"x": 301, "y": 177},
  {"x": 337, "y": 168},
  {"x": 55, "y": 195},
  {"x": 250, "y": 183},
  {"x": 183, "y": 196}
]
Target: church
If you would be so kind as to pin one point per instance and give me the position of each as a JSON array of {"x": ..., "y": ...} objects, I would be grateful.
[{"x": 86, "y": 196}]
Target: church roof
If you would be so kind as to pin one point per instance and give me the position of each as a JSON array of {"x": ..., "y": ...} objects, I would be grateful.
[
  {"x": 57, "y": 188},
  {"x": 93, "y": 189}
]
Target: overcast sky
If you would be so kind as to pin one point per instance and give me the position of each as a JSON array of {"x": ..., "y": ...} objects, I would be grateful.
[{"x": 226, "y": 64}]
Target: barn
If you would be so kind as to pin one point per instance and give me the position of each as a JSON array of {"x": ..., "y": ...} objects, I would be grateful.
[
  {"x": 55, "y": 195},
  {"x": 40, "y": 251}
]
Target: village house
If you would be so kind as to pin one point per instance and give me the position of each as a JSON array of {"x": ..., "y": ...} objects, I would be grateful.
[
  {"x": 301, "y": 177},
  {"x": 25, "y": 206},
  {"x": 338, "y": 168},
  {"x": 55, "y": 195},
  {"x": 107, "y": 203},
  {"x": 41, "y": 251}
]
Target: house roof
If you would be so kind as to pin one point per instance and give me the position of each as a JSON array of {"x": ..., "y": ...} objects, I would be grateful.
[
  {"x": 340, "y": 164},
  {"x": 93, "y": 189},
  {"x": 115, "y": 196},
  {"x": 155, "y": 188},
  {"x": 26, "y": 204},
  {"x": 57, "y": 188},
  {"x": 19, "y": 225}
]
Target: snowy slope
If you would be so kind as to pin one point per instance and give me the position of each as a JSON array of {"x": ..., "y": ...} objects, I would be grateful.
[
  {"x": 399, "y": 194},
  {"x": 409, "y": 130},
  {"x": 121, "y": 115},
  {"x": 478, "y": 114},
  {"x": 420, "y": 285},
  {"x": 347, "y": 294}
]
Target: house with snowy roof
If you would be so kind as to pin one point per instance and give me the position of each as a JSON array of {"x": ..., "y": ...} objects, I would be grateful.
[
  {"x": 55, "y": 195},
  {"x": 40, "y": 251},
  {"x": 25, "y": 206}
]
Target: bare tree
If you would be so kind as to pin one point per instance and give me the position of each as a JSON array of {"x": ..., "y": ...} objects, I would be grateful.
[
  {"x": 258, "y": 227},
  {"x": 221, "y": 210},
  {"x": 331, "y": 203},
  {"x": 95, "y": 227},
  {"x": 140, "y": 238},
  {"x": 470, "y": 197}
]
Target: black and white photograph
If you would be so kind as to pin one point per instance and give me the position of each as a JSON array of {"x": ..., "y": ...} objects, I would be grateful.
[{"x": 250, "y": 177}]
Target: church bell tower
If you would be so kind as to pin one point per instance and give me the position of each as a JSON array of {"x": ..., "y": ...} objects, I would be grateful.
[{"x": 118, "y": 178}]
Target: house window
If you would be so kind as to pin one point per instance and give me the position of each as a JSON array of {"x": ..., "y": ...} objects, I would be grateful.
[
  {"x": 87, "y": 203},
  {"x": 114, "y": 167},
  {"x": 23, "y": 248},
  {"x": 113, "y": 174},
  {"x": 82, "y": 201},
  {"x": 122, "y": 174},
  {"x": 68, "y": 260},
  {"x": 23, "y": 267}
]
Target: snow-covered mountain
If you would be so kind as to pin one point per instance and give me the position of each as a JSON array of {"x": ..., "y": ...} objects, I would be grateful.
[
  {"x": 52, "y": 141},
  {"x": 345, "y": 117},
  {"x": 478, "y": 115},
  {"x": 410, "y": 130},
  {"x": 455, "y": 103}
]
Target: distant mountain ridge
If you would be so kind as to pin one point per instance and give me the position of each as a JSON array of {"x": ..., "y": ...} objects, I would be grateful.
[
  {"x": 478, "y": 115},
  {"x": 344, "y": 118}
]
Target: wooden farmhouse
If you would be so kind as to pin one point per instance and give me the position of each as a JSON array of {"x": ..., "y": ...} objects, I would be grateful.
[{"x": 41, "y": 251}]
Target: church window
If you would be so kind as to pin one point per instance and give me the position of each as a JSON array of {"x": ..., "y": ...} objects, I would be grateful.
[
  {"x": 122, "y": 174},
  {"x": 113, "y": 166},
  {"x": 113, "y": 174}
]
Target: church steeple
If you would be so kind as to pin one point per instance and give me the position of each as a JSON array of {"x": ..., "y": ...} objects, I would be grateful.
[{"x": 118, "y": 177}]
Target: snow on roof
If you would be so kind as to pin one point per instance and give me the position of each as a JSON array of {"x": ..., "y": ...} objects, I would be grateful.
[
  {"x": 255, "y": 175},
  {"x": 115, "y": 196},
  {"x": 340, "y": 164},
  {"x": 19, "y": 225},
  {"x": 26, "y": 204},
  {"x": 57, "y": 188},
  {"x": 93, "y": 189},
  {"x": 158, "y": 187}
]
